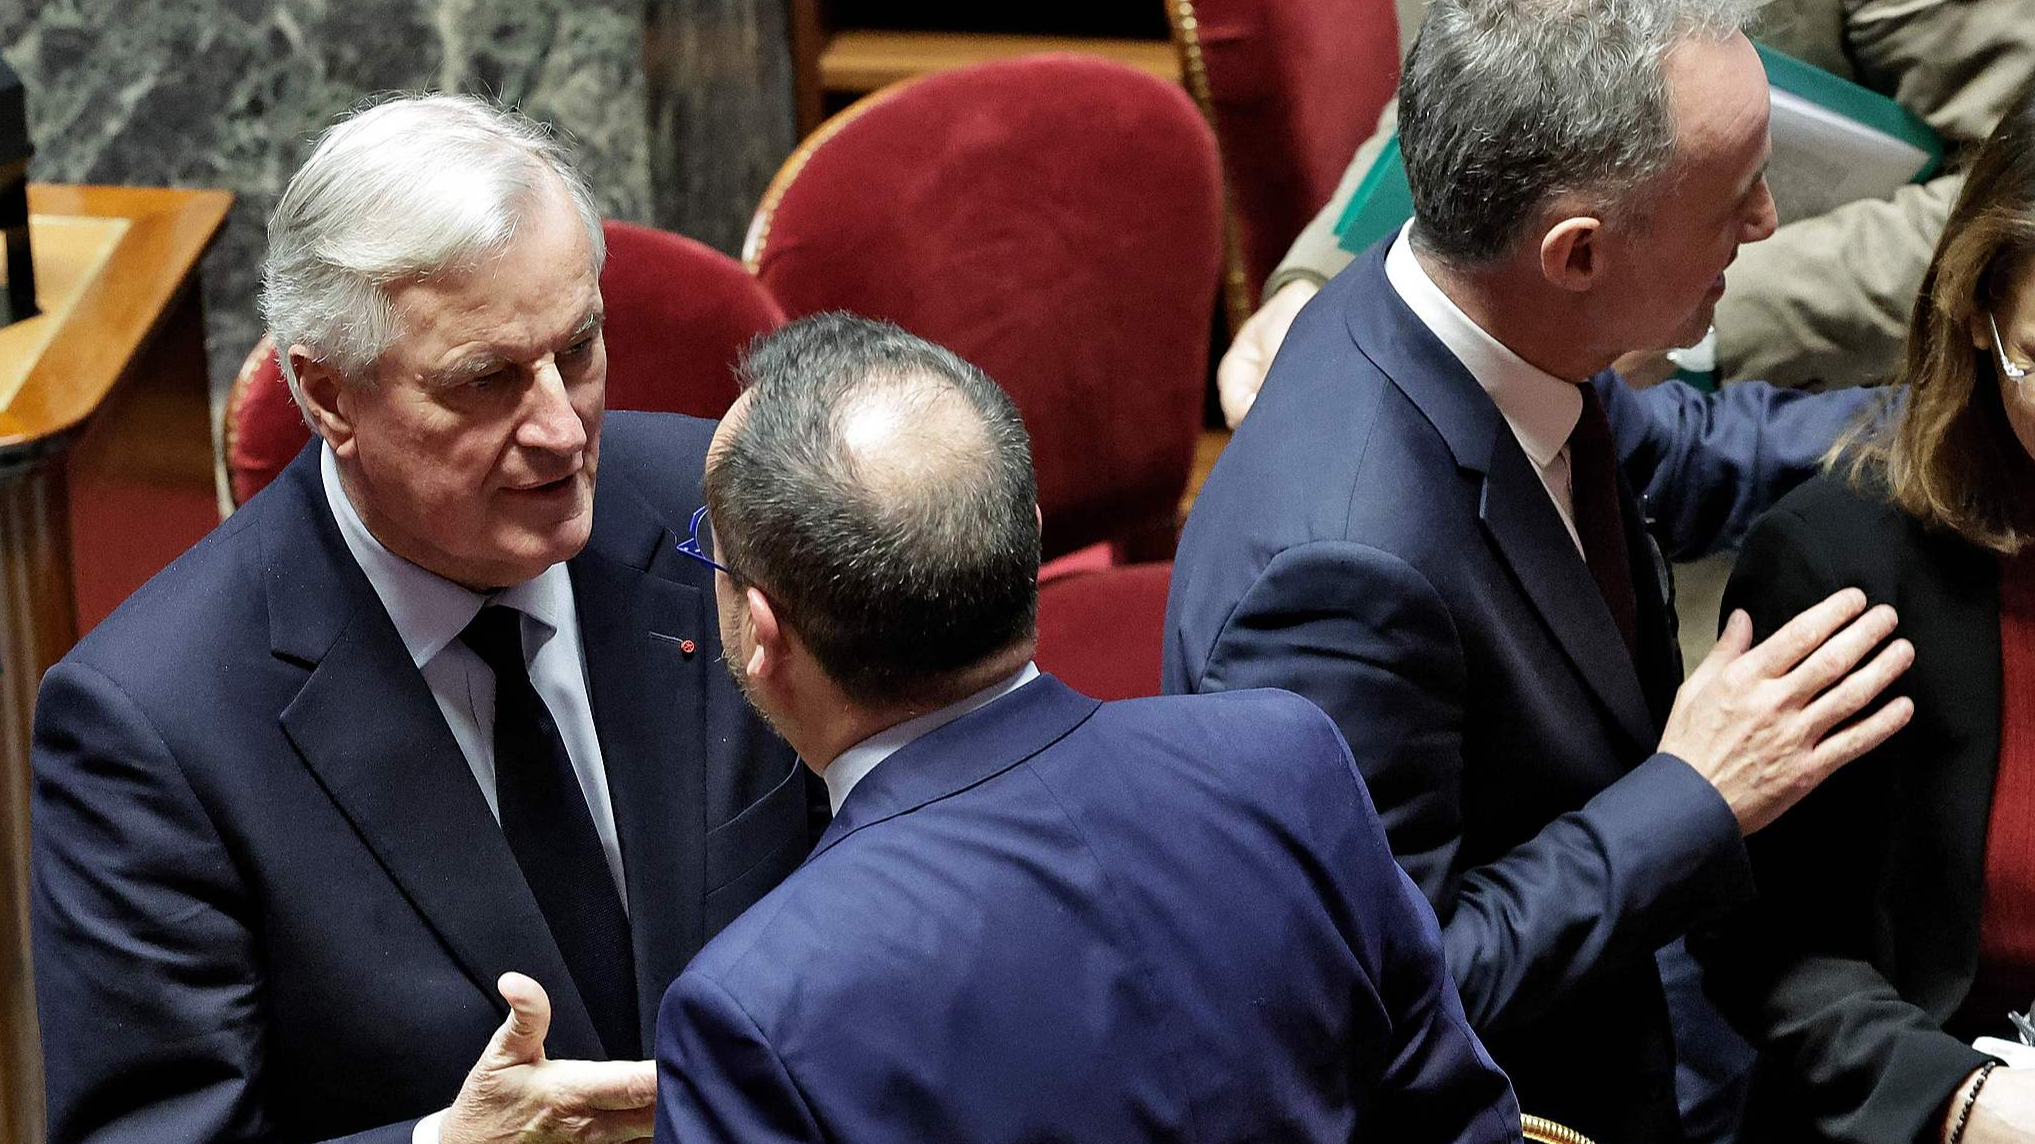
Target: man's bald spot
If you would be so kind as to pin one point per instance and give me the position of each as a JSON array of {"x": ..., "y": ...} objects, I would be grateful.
[{"x": 912, "y": 434}]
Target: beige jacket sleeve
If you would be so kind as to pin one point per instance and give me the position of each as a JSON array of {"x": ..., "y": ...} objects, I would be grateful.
[
  {"x": 1827, "y": 299},
  {"x": 1956, "y": 63}
]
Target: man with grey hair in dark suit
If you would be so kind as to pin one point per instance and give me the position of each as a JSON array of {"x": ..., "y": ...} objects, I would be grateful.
[{"x": 1432, "y": 525}]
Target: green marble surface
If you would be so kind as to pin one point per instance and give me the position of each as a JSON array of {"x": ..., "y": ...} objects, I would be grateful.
[{"x": 229, "y": 93}]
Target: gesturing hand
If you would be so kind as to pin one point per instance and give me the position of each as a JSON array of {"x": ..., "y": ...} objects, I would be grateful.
[
  {"x": 1761, "y": 723},
  {"x": 515, "y": 1094}
]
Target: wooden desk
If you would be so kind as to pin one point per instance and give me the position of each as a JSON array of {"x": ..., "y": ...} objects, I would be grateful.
[{"x": 105, "y": 475}]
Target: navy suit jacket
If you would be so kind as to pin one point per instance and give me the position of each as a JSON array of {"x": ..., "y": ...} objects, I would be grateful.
[
  {"x": 1374, "y": 539},
  {"x": 269, "y": 901},
  {"x": 1062, "y": 920}
]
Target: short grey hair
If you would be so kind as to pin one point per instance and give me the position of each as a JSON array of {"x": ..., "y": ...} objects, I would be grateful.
[
  {"x": 898, "y": 579},
  {"x": 400, "y": 188},
  {"x": 1504, "y": 104}
]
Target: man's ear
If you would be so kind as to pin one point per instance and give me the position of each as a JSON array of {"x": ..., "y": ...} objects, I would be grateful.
[
  {"x": 768, "y": 639},
  {"x": 1572, "y": 253},
  {"x": 322, "y": 389}
]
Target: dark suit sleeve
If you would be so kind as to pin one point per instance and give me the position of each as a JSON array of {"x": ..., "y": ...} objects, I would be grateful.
[
  {"x": 1707, "y": 465},
  {"x": 1367, "y": 638},
  {"x": 1792, "y": 971},
  {"x": 718, "y": 1078},
  {"x": 1439, "y": 1085},
  {"x": 148, "y": 977}
]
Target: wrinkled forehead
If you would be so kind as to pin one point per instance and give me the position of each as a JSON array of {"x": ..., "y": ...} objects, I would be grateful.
[{"x": 518, "y": 302}]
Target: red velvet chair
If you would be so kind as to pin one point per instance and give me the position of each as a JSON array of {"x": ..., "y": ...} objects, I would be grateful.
[
  {"x": 1055, "y": 219},
  {"x": 1292, "y": 86},
  {"x": 1102, "y": 632},
  {"x": 679, "y": 314}
]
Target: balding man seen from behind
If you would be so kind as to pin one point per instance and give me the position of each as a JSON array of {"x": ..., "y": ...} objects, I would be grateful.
[{"x": 1035, "y": 916}]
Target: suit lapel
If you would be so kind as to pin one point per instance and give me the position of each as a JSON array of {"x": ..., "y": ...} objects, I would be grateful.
[
  {"x": 968, "y": 751},
  {"x": 366, "y": 725},
  {"x": 1529, "y": 534},
  {"x": 649, "y": 701},
  {"x": 1514, "y": 506}
]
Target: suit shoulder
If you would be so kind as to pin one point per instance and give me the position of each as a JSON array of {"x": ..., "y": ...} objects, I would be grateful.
[
  {"x": 820, "y": 935},
  {"x": 650, "y": 441},
  {"x": 181, "y": 614},
  {"x": 1838, "y": 517},
  {"x": 652, "y": 467},
  {"x": 1269, "y": 727},
  {"x": 1842, "y": 502},
  {"x": 722, "y": 959},
  {"x": 1272, "y": 709},
  {"x": 1344, "y": 455}
]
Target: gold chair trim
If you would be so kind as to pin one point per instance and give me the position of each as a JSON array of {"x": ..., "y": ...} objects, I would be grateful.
[
  {"x": 758, "y": 237},
  {"x": 1238, "y": 293}
]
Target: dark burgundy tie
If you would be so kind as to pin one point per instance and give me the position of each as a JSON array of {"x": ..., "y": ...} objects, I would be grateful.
[
  {"x": 551, "y": 832},
  {"x": 1593, "y": 488}
]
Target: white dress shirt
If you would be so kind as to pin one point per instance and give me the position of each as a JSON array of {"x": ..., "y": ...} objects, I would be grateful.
[
  {"x": 1541, "y": 409},
  {"x": 851, "y": 765},
  {"x": 430, "y": 611}
]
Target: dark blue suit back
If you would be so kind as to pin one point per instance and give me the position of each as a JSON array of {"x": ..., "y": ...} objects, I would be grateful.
[{"x": 1061, "y": 920}]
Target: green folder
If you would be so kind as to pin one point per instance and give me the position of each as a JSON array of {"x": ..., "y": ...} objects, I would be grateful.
[{"x": 1834, "y": 142}]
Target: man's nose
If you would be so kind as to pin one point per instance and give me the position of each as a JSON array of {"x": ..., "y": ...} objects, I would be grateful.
[
  {"x": 549, "y": 420},
  {"x": 1764, "y": 217}
]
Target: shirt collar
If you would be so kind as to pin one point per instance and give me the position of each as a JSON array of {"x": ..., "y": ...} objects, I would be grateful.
[
  {"x": 1541, "y": 408},
  {"x": 857, "y": 761},
  {"x": 428, "y": 610}
]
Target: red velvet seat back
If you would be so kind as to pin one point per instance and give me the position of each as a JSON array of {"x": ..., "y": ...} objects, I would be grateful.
[
  {"x": 1293, "y": 86},
  {"x": 679, "y": 314},
  {"x": 1103, "y": 633},
  {"x": 1054, "y": 219}
]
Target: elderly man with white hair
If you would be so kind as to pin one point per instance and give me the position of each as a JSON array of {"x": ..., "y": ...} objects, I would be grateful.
[{"x": 388, "y": 811}]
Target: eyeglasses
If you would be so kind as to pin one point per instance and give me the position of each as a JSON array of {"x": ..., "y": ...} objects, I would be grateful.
[
  {"x": 699, "y": 548},
  {"x": 2015, "y": 373}
]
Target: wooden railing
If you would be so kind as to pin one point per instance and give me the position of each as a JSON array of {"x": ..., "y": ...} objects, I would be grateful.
[{"x": 105, "y": 475}]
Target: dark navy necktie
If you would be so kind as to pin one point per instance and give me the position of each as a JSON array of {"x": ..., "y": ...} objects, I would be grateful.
[
  {"x": 1600, "y": 525},
  {"x": 551, "y": 832}
]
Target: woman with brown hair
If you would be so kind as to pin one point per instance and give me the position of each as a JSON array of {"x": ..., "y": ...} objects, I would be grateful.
[{"x": 1896, "y": 919}]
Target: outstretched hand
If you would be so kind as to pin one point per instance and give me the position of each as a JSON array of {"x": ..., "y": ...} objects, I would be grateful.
[{"x": 515, "y": 1094}]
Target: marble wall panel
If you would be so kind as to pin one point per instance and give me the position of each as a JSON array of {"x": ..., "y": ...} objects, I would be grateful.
[
  {"x": 229, "y": 93},
  {"x": 720, "y": 99}
]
